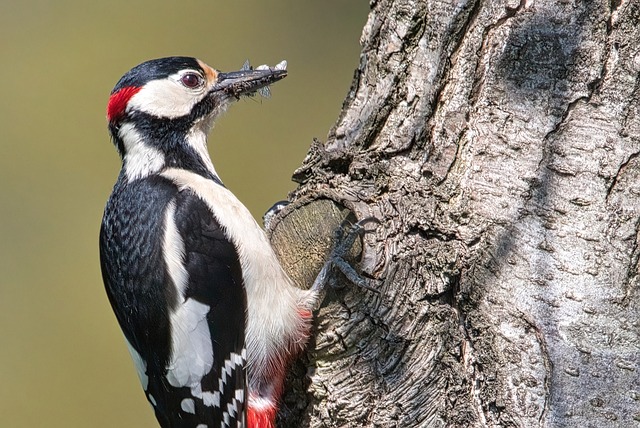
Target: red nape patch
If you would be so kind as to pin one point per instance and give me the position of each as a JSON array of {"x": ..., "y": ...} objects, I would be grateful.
[
  {"x": 118, "y": 102},
  {"x": 263, "y": 418}
]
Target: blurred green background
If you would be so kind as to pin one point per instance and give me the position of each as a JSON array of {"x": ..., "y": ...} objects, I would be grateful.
[{"x": 63, "y": 362}]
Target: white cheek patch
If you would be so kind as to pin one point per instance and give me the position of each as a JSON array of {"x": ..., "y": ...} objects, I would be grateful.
[{"x": 166, "y": 98}]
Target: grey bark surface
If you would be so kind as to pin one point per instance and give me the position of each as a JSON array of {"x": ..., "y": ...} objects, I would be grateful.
[{"x": 498, "y": 144}]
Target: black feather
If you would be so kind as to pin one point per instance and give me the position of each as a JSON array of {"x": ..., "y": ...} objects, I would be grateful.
[{"x": 142, "y": 294}]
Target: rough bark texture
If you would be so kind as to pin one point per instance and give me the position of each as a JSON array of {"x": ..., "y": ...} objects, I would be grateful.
[{"x": 498, "y": 142}]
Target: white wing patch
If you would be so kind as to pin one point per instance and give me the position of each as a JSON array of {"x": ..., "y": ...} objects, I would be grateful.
[
  {"x": 191, "y": 349},
  {"x": 188, "y": 405},
  {"x": 240, "y": 395},
  {"x": 272, "y": 299},
  {"x": 211, "y": 399},
  {"x": 234, "y": 363},
  {"x": 173, "y": 251},
  {"x": 140, "y": 364}
]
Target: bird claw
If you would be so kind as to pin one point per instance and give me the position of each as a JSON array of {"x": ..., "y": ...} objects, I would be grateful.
[
  {"x": 355, "y": 230},
  {"x": 345, "y": 237},
  {"x": 353, "y": 276}
]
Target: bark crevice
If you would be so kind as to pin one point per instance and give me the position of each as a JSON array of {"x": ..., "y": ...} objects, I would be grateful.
[{"x": 497, "y": 143}]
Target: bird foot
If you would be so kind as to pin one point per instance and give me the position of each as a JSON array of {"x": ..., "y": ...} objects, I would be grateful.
[{"x": 345, "y": 237}]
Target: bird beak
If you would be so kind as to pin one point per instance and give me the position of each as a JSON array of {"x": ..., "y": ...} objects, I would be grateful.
[{"x": 247, "y": 81}]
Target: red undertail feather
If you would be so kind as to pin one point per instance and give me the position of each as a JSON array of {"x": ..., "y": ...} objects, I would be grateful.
[
  {"x": 263, "y": 405},
  {"x": 305, "y": 314},
  {"x": 263, "y": 418}
]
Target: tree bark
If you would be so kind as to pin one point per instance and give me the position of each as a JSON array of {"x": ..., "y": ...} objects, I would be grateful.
[{"x": 498, "y": 144}]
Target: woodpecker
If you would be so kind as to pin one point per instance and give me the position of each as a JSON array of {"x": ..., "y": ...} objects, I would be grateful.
[{"x": 210, "y": 318}]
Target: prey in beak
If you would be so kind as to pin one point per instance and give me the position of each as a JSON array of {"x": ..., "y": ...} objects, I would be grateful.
[{"x": 247, "y": 81}]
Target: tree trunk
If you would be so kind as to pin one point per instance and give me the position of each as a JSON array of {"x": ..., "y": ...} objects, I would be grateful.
[{"x": 498, "y": 144}]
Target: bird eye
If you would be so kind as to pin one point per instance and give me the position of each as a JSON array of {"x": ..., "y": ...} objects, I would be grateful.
[{"x": 191, "y": 80}]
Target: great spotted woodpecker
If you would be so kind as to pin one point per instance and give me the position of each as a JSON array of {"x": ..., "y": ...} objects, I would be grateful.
[{"x": 210, "y": 317}]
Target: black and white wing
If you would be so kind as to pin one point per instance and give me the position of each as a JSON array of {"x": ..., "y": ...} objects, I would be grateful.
[{"x": 175, "y": 282}]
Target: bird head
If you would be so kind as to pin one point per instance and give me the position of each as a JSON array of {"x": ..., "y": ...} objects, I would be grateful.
[{"x": 163, "y": 109}]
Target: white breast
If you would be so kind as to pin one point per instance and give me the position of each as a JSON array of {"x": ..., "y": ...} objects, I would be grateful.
[{"x": 272, "y": 316}]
